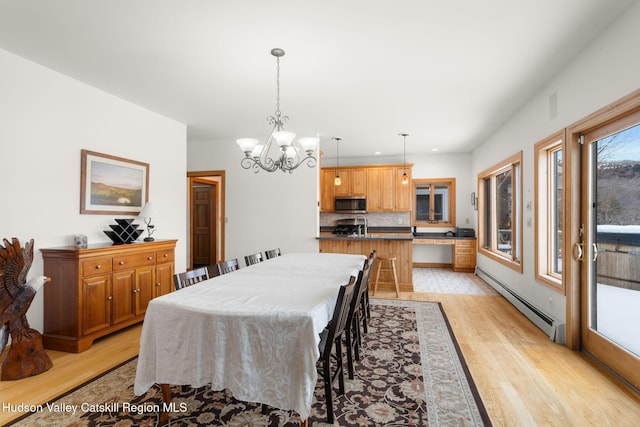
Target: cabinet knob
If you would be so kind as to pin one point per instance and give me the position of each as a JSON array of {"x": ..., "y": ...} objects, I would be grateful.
[
  {"x": 98, "y": 267},
  {"x": 109, "y": 297},
  {"x": 165, "y": 255},
  {"x": 135, "y": 291},
  {"x": 121, "y": 263},
  {"x": 150, "y": 258},
  {"x": 157, "y": 284}
]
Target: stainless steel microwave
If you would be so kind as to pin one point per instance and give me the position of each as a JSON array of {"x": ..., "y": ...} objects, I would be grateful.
[{"x": 351, "y": 204}]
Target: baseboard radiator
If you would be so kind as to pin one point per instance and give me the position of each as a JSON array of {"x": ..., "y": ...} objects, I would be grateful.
[{"x": 552, "y": 327}]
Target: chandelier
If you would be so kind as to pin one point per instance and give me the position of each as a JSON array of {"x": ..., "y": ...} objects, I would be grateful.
[{"x": 291, "y": 155}]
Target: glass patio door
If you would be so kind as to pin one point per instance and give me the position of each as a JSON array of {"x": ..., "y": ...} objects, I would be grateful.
[{"x": 610, "y": 247}]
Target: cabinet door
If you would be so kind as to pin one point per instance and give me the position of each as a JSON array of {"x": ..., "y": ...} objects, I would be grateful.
[
  {"x": 145, "y": 288},
  {"x": 403, "y": 191},
  {"x": 123, "y": 302},
  {"x": 344, "y": 189},
  {"x": 327, "y": 190},
  {"x": 387, "y": 188},
  {"x": 358, "y": 182},
  {"x": 96, "y": 303},
  {"x": 373, "y": 190},
  {"x": 164, "y": 279}
]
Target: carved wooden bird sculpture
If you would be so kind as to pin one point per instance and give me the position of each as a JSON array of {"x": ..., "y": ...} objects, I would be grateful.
[{"x": 15, "y": 294}]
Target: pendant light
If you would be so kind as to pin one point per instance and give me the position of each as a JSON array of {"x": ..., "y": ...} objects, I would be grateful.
[
  {"x": 337, "y": 180},
  {"x": 405, "y": 177}
]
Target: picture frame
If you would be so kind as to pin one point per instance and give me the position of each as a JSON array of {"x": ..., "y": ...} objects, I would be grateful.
[{"x": 111, "y": 185}]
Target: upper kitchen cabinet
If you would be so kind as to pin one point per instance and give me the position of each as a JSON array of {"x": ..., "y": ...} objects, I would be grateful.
[
  {"x": 381, "y": 185},
  {"x": 381, "y": 192},
  {"x": 354, "y": 182},
  {"x": 327, "y": 189},
  {"x": 403, "y": 191}
]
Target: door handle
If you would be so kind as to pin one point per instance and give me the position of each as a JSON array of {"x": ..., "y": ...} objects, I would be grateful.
[{"x": 577, "y": 256}]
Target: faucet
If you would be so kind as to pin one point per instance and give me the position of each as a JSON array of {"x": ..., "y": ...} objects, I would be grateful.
[{"x": 364, "y": 222}]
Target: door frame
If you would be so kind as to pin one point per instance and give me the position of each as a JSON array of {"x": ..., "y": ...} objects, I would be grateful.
[
  {"x": 195, "y": 176},
  {"x": 573, "y": 214}
]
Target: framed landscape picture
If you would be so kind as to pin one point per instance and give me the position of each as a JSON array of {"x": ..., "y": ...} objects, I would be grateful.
[{"x": 112, "y": 185}]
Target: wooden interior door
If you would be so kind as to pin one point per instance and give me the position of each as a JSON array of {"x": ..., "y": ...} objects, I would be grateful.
[{"x": 203, "y": 208}]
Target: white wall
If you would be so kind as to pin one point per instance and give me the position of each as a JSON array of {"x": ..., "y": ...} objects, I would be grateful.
[
  {"x": 46, "y": 118},
  {"x": 264, "y": 210},
  {"x": 604, "y": 72}
]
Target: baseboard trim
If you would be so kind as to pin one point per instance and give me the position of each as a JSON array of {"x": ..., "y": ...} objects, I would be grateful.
[{"x": 431, "y": 265}]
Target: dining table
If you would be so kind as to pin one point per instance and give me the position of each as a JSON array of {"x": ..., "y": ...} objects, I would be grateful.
[{"x": 253, "y": 332}]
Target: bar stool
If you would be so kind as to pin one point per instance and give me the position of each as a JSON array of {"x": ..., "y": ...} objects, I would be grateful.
[{"x": 392, "y": 268}]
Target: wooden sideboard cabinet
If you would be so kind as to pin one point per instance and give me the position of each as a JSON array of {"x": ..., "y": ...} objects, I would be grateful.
[
  {"x": 464, "y": 255},
  {"x": 100, "y": 289}
]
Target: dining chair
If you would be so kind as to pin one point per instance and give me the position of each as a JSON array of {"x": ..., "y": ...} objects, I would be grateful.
[
  {"x": 331, "y": 337},
  {"x": 351, "y": 330},
  {"x": 227, "y": 266},
  {"x": 188, "y": 278},
  {"x": 253, "y": 259},
  {"x": 272, "y": 253},
  {"x": 357, "y": 315},
  {"x": 364, "y": 304}
]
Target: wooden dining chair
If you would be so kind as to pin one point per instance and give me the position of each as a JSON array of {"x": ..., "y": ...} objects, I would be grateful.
[
  {"x": 272, "y": 253},
  {"x": 331, "y": 337},
  {"x": 188, "y": 278},
  {"x": 227, "y": 266},
  {"x": 253, "y": 259},
  {"x": 356, "y": 313},
  {"x": 364, "y": 303}
]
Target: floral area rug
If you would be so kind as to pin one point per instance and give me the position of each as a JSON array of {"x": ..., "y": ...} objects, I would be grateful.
[{"x": 411, "y": 373}]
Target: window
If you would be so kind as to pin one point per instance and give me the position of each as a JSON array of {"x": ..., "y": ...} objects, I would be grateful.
[
  {"x": 549, "y": 196},
  {"x": 434, "y": 202},
  {"x": 500, "y": 212}
]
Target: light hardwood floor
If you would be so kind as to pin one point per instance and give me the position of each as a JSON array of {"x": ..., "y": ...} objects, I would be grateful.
[{"x": 524, "y": 379}]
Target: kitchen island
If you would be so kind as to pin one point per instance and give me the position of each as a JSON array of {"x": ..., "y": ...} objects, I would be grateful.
[{"x": 386, "y": 244}]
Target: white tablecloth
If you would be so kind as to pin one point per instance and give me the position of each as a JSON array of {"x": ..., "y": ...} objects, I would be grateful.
[{"x": 253, "y": 332}]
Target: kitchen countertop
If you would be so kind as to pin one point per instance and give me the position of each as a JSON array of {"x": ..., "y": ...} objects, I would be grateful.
[{"x": 327, "y": 235}]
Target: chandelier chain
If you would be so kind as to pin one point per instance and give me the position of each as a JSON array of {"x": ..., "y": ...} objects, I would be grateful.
[{"x": 277, "y": 86}]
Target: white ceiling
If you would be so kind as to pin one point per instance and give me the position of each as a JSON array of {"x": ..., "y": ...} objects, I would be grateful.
[{"x": 446, "y": 72}]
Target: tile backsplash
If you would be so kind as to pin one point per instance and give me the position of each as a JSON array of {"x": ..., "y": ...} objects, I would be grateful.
[{"x": 375, "y": 219}]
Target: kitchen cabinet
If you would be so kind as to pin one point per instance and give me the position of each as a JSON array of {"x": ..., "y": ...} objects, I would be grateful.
[
  {"x": 327, "y": 189},
  {"x": 98, "y": 290},
  {"x": 381, "y": 185},
  {"x": 403, "y": 191},
  {"x": 464, "y": 255},
  {"x": 385, "y": 190},
  {"x": 401, "y": 249},
  {"x": 354, "y": 182},
  {"x": 380, "y": 189}
]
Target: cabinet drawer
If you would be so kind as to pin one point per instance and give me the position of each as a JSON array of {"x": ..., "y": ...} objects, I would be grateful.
[
  {"x": 133, "y": 261},
  {"x": 164, "y": 256},
  {"x": 465, "y": 261},
  {"x": 464, "y": 250},
  {"x": 96, "y": 266},
  {"x": 469, "y": 243}
]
